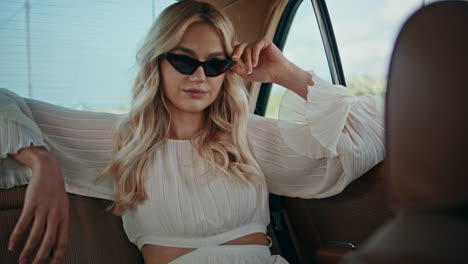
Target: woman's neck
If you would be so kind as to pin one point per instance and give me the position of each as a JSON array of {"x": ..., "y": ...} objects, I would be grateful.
[{"x": 186, "y": 125}]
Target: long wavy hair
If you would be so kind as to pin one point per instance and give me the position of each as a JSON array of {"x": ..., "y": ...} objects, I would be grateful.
[{"x": 223, "y": 141}]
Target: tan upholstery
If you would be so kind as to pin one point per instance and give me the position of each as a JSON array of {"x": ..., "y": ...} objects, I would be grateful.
[
  {"x": 253, "y": 20},
  {"x": 426, "y": 120}
]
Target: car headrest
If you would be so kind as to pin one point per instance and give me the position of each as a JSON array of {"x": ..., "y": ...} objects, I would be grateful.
[{"x": 427, "y": 109}]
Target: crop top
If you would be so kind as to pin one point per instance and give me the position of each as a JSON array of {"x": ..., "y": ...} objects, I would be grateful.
[{"x": 315, "y": 149}]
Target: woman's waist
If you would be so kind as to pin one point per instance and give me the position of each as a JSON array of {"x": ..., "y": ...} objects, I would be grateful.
[
  {"x": 190, "y": 239},
  {"x": 157, "y": 254}
]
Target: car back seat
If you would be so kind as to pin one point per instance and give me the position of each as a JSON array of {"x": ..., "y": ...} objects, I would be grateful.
[{"x": 94, "y": 235}]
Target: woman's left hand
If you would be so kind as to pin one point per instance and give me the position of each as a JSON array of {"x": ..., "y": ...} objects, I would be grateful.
[{"x": 259, "y": 61}]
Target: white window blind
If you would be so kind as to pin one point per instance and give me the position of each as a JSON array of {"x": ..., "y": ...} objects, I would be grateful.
[{"x": 78, "y": 54}]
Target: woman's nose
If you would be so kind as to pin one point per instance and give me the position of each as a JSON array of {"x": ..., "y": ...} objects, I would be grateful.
[{"x": 198, "y": 75}]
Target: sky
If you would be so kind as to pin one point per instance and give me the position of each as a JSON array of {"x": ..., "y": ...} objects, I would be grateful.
[
  {"x": 83, "y": 51},
  {"x": 365, "y": 31}
]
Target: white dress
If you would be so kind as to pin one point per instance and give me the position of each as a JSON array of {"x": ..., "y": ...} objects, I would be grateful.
[{"x": 329, "y": 140}]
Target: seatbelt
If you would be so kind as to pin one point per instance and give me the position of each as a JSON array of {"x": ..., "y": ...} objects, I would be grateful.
[{"x": 280, "y": 228}]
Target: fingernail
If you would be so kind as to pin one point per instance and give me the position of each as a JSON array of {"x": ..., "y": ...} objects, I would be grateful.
[
  {"x": 11, "y": 246},
  {"x": 249, "y": 71},
  {"x": 234, "y": 57},
  {"x": 255, "y": 64}
]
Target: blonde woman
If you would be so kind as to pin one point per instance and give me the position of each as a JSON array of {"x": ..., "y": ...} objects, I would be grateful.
[{"x": 188, "y": 168}]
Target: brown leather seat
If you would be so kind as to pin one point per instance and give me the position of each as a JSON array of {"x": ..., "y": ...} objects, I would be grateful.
[
  {"x": 426, "y": 124},
  {"x": 350, "y": 217},
  {"x": 94, "y": 235}
]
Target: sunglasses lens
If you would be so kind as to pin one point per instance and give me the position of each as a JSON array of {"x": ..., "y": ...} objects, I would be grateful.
[
  {"x": 187, "y": 65},
  {"x": 183, "y": 64},
  {"x": 217, "y": 67}
]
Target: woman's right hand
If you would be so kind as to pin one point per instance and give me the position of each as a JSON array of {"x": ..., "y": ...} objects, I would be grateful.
[{"x": 45, "y": 208}]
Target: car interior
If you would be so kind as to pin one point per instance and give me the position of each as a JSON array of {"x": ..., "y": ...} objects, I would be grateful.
[{"x": 410, "y": 208}]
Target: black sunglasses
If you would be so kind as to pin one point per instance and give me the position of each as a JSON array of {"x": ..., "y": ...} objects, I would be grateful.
[{"x": 187, "y": 65}]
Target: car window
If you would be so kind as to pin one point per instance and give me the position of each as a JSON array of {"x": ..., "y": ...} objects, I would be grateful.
[
  {"x": 77, "y": 54},
  {"x": 303, "y": 47},
  {"x": 365, "y": 32}
]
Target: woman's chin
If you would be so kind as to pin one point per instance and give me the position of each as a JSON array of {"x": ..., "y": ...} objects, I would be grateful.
[{"x": 193, "y": 108}]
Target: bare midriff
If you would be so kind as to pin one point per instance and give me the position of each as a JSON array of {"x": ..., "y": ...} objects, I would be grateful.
[{"x": 154, "y": 254}]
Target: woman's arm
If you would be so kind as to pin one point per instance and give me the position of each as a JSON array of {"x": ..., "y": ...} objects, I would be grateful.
[
  {"x": 295, "y": 79},
  {"x": 80, "y": 141},
  {"x": 339, "y": 139},
  {"x": 332, "y": 138},
  {"x": 35, "y": 137},
  {"x": 262, "y": 61},
  {"x": 45, "y": 208}
]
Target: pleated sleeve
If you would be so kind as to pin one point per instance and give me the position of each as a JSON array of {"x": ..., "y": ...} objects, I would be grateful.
[
  {"x": 317, "y": 147},
  {"x": 81, "y": 142}
]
